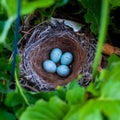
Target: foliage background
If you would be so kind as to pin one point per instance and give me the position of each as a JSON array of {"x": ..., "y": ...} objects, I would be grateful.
[{"x": 100, "y": 100}]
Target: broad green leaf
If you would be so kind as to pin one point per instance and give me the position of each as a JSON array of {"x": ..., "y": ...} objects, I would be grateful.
[
  {"x": 111, "y": 82},
  {"x": 110, "y": 89},
  {"x": 19, "y": 110},
  {"x": 76, "y": 95},
  {"x": 97, "y": 109},
  {"x": 4, "y": 76},
  {"x": 73, "y": 113},
  {"x": 3, "y": 64},
  {"x": 4, "y": 70},
  {"x": 4, "y": 115},
  {"x": 94, "y": 115},
  {"x": 10, "y": 7},
  {"x": 27, "y": 6},
  {"x": 90, "y": 111},
  {"x": 4, "y": 87},
  {"x": 6, "y": 28},
  {"x": 13, "y": 99},
  {"x": 39, "y": 111},
  {"x": 112, "y": 59},
  {"x": 34, "y": 96},
  {"x": 43, "y": 95},
  {"x": 110, "y": 109},
  {"x": 93, "y": 88},
  {"x": 55, "y": 109},
  {"x": 30, "y": 6},
  {"x": 74, "y": 83},
  {"x": 60, "y": 92},
  {"x": 59, "y": 107},
  {"x": 92, "y": 15},
  {"x": 114, "y": 3}
]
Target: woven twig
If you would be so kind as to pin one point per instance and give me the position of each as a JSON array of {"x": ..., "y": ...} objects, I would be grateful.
[{"x": 37, "y": 46}]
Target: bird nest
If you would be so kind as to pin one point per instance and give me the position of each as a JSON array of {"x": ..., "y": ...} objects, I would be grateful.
[{"x": 37, "y": 46}]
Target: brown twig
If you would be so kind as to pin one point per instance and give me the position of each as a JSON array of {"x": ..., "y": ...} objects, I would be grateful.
[
  {"x": 29, "y": 87},
  {"x": 109, "y": 49}
]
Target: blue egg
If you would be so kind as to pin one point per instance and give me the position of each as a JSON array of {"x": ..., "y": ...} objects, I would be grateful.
[
  {"x": 55, "y": 55},
  {"x": 63, "y": 70},
  {"x": 66, "y": 58},
  {"x": 49, "y": 66}
]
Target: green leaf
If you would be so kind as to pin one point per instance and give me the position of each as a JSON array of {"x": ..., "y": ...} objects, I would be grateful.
[
  {"x": 114, "y": 3},
  {"x": 58, "y": 107},
  {"x": 92, "y": 15},
  {"x": 73, "y": 113},
  {"x": 74, "y": 83},
  {"x": 111, "y": 82},
  {"x": 13, "y": 98},
  {"x": 113, "y": 110},
  {"x": 60, "y": 92},
  {"x": 90, "y": 111},
  {"x": 32, "y": 97},
  {"x": 6, "y": 28},
  {"x": 91, "y": 18},
  {"x": 3, "y": 64},
  {"x": 93, "y": 88},
  {"x": 4, "y": 115},
  {"x": 30, "y": 6},
  {"x": 4, "y": 88},
  {"x": 4, "y": 72},
  {"x": 55, "y": 109},
  {"x": 97, "y": 109},
  {"x": 19, "y": 110},
  {"x": 92, "y": 115},
  {"x": 76, "y": 95},
  {"x": 107, "y": 105},
  {"x": 27, "y": 6},
  {"x": 62, "y": 2},
  {"x": 112, "y": 59}
]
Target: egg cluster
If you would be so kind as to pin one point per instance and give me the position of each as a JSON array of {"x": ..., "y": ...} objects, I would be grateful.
[{"x": 64, "y": 60}]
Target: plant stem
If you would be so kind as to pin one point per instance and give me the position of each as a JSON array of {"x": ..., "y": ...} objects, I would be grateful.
[
  {"x": 102, "y": 35},
  {"x": 20, "y": 89},
  {"x": 16, "y": 38},
  {"x": 6, "y": 29}
]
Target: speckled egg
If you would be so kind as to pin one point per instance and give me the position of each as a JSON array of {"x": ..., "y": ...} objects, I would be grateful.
[
  {"x": 63, "y": 70},
  {"x": 55, "y": 55},
  {"x": 49, "y": 66},
  {"x": 66, "y": 58}
]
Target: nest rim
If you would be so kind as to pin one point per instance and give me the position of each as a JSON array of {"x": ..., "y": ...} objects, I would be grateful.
[{"x": 59, "y": 30}]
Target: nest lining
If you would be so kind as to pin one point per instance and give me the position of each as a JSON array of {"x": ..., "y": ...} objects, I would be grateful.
[{"x": 41, "y": 53}]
